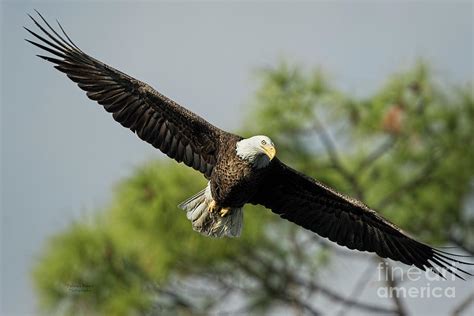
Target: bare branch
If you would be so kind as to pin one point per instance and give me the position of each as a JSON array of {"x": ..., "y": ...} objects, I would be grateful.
[
  {"x": 278, "y": 293},
  {"x": 421, "y": 178},
  {"x": 293, "y": 278},
  {"x": 343, "y": 300},
  {"x": 359, "y": 287},
  {"x": 391, "y": 284},
  {"x": 462, "y": 244},
  {"x": 294, "y": 300},
  {"x": 464, "y": 305},
  {"x": 377, "y": 153},
  {"x": 177, "y": 300},
  {"x": 332, "y": 151}
]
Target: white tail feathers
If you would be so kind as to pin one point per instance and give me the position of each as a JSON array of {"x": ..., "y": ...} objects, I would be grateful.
[{"x": 210, "y": 223}]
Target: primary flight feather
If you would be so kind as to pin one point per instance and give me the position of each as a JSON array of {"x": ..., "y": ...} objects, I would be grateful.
[{"x": 239, "y": 170}]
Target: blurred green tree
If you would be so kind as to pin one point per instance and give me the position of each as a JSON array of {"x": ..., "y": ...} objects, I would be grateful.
[{"x": 407, "y": 151}]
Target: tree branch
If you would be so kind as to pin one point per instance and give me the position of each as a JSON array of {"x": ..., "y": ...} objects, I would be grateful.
[
  {"x": 462, "y": 244},
  {"x": 421, "y": 178},
  {"x": 377, "y": 153},
  {"x": 343, "y": 300},
  {"x": 281, "y": 294},
  {"x": 359, "y": 287},
  {"x": 331, "y": 149},
  {"x": 464, "y": 305},
  {"x": 391, "y": 284},
  {"x": 293, "y": 278}
]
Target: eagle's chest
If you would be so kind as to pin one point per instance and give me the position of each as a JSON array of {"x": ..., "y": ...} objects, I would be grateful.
[{"x": 234, "y": 182}]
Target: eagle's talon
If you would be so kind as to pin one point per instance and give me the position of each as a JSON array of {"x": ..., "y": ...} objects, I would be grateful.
[
  {"x": 223, "y": 212},
  {"x": 212, "y": 206}
]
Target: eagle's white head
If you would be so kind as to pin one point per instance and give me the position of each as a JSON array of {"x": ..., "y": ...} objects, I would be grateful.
[{"x": 258, "y": 150}]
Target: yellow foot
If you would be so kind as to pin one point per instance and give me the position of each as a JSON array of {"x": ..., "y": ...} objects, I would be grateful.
[
  {"x": 224, "y": 211},
  {"x": 212, "y": 206}
]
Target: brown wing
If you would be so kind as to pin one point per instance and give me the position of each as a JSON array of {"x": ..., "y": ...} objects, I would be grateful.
[
  {"x": 344, "y": 220},
  {"x": 156, "y": 119}
]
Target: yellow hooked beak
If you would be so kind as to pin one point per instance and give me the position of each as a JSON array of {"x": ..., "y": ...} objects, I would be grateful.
[{"x": 269, "y": 150}]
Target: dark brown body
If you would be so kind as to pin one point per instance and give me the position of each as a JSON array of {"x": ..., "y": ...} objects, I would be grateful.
[{"x": 234, "y": 181}]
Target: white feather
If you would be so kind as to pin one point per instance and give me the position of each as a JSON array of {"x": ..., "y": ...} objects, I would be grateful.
[
  {"x": 250, "y": 149},
  {"x": 211, "y": 224}
]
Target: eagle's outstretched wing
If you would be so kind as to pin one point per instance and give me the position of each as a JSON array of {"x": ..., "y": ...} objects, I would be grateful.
[
  {"x": 346, "y": 221},
  {"x": 156, "y": 119}
]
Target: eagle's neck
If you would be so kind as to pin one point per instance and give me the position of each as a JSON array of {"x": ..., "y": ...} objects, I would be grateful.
[{"x": 247, "y": 151}]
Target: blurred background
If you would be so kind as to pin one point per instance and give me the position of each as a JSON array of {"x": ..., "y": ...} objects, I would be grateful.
[{"x": 372, "y": 98}]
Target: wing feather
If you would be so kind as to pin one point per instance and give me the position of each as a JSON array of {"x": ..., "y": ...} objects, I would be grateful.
[
  {"x": 156, "y": 119},
  {"x": 346, "y": 221}
]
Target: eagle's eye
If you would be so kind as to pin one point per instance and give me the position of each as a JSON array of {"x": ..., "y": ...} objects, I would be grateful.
[{"x": 264, "y": 142}]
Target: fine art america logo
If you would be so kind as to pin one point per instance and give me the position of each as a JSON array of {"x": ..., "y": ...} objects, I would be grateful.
[{"x": 432, "y": 288}]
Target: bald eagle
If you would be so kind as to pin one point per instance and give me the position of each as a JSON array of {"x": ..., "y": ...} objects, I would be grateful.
[{"x": 239, "y": 170}]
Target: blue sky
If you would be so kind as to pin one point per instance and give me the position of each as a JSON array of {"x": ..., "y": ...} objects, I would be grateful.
[{"x": 62, "y": 154}]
